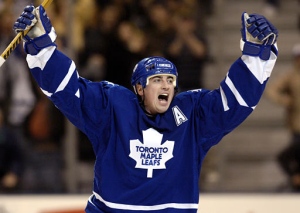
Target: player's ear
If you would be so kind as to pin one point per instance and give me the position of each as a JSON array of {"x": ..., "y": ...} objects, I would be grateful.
[{"x": 139, "y": 90}]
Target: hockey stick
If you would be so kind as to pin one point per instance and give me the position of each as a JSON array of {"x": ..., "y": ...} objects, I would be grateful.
[{"x": 18, "y": 38}]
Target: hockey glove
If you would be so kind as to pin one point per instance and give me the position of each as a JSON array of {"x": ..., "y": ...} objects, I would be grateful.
[
  {"x": 41, "y": 35},
  {"x": 258, "y": 36}
]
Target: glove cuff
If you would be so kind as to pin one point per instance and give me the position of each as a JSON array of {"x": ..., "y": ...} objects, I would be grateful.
[
  {"x": 263, "y": 51},
  {"x": 33, "y": 46}
]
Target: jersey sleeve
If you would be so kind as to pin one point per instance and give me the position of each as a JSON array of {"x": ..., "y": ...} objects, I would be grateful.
[
  {"x": 223, "y": 109},
  {"x": 83, "y": 102}
]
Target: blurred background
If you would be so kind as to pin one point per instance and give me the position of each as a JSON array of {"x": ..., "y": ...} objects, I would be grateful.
[{"x": 42, "y": 153}]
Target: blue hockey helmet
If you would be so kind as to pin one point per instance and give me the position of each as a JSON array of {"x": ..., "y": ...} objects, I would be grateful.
[{"x": 153, "y": 66}]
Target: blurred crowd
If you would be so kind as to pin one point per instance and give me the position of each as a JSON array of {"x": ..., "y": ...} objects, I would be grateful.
[{"x": 284, "y": 90}]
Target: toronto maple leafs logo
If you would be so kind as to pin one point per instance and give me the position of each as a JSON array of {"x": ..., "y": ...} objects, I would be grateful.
[{"x": 151, "y": 154}]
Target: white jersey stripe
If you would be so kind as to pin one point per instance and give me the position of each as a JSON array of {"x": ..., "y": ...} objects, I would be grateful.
[
  {"x": 236, "y": 93},
  {"x": 40, "y": 60},
  {"x": 224, "y": 100},
  {"x": 260, "y": 69},
  {"x": 145, "y": 208},
  {"x": 67, "y": 78},
  {"x": 48, "y": 94}
]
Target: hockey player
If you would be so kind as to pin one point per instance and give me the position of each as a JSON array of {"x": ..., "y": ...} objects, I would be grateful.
[{"x": 149, "y": 147}]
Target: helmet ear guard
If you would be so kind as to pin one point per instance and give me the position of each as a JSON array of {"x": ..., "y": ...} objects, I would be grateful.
[{"x": 150, "y": 67}]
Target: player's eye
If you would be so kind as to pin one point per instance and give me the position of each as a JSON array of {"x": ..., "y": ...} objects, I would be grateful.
[
  {"x": 156, "y": 79},
  {"x": 170, "y": 80}
]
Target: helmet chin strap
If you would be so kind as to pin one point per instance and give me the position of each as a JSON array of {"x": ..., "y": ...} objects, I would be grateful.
[{"x": 134, "y": 89}]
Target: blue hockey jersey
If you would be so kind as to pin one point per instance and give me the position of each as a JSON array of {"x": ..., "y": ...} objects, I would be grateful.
[{"x": 149, "y": 164}]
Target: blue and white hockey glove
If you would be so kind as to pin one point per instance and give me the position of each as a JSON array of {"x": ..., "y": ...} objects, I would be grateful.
[
  {"x": 41, "y": 35},
  {"x": 258, "y": 36}
]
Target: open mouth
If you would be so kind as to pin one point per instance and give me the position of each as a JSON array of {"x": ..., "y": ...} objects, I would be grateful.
[{"x": 163, "y": 97}]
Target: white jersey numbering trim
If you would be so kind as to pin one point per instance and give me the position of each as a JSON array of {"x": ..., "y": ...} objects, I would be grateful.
[{"x": 144, "y": 208}]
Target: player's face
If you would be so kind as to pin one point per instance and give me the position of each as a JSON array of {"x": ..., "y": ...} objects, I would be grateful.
[{"x": 158, "y": 94}]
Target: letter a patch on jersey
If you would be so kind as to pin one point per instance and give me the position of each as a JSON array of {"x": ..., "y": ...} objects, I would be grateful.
[{"x": 178, "y": 116}]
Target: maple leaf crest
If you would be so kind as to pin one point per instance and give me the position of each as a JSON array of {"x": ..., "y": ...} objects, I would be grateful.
[{"x": 151, "y": 154}]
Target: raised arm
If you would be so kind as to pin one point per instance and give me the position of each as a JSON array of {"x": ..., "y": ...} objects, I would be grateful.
[
  {"x": 244, "y": 84},
  {"x": 247, "y": 77},
  {"x": 56, "y": 74}
]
